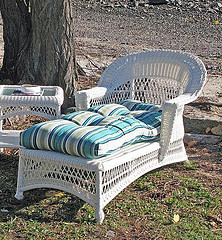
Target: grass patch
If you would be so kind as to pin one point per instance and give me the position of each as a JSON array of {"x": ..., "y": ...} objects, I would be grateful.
[{"x": 144, "y": 210}]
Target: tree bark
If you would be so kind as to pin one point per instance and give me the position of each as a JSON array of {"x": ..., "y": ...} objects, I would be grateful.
[
  {"x": 16, "y": 35},
  {"x": 45, "y": 53}
]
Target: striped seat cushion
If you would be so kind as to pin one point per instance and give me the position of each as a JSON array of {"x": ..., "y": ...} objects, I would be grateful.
[
  {"x": 41, "y": 135},
  {"x": 110, "y": 110},
  {"x": 89, "y": 134},
  {"x": 152, "y": 120},
  {"x": 85, "y": 141}
]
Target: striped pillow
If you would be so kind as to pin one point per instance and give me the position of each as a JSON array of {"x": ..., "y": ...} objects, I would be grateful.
[
  {"x": 134, "y": 105},
  {"x": 84, "y": 118},
  {"x": 39, "y": 136},
  {"x": 91, "y": 135},
  {"x": 152, "y": 120},
  {"x": 85, "y": 141},
  {"x": 110, "y": 110}
]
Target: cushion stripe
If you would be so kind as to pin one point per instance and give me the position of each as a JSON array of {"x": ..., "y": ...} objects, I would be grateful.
[
  {"x": 83, "y": 118},
  {"x": 134, "y": 105},
  {"x": 110, "y": 110}
]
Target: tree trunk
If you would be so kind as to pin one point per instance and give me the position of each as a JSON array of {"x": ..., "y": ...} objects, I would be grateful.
[
  {"x": 46, "y": 54},
  {"x": 16, "y": 35}
]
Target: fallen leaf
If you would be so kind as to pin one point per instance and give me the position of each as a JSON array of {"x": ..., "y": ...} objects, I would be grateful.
[
  {"x": 214, "y": 218},
  {"x": 208, "y": 130},
  {"x": 110, "y": 234},
  {"x": 205, "y": 150},
  {"x": 54, "y": 194},
  {"x": 217, "y": 22},
  {"x": 59, "y": 194},
  {"x": 50, "y": 193},
  {"x": 212, "y": 223},
  {"x": 176, "y": 218},
  {"x": 192, "y": 143}
]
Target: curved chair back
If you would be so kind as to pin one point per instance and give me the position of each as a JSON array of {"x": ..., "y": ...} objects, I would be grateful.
[{"x": 154, "y": 76}]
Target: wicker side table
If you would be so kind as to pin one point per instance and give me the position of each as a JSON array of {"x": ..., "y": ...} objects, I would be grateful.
[{"x": 47, "y": 105}]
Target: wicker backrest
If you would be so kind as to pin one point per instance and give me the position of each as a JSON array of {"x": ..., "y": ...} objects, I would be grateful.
[{"x": 153, "y": 76}]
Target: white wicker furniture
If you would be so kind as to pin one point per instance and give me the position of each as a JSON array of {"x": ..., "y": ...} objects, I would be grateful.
[
  {"x": 170, "y": 78},
  {"x": 47, "y": 105}
]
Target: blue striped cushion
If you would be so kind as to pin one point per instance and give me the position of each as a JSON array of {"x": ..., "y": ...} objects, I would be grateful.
[
  {"x": 39, "y": 136},
  {"x": 152, "y": 121},
  {"x": 110, "y": 110},
  {"x": 91, "y": 135},
  {"x": 84, "y": 118},
  {"x": 85, "y": 141}
]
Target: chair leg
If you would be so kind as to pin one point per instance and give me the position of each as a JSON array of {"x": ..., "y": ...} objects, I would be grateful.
[
  {"x": 19, "y": 194},
  {"x": 99, "y": 215},
  {"x": 99, "y": 209},
  {"x": 1, "y": 123},
  {"x": 187, "y": 161}
]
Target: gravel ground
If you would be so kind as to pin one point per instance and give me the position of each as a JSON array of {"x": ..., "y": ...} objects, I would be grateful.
[
  {"x": 107, "y": 29},
  {"x": 114, "y": 28}
]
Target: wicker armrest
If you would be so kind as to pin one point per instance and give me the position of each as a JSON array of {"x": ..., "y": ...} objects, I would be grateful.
[
  {"x": 83, "y": 98},
  {"x": 172, "y": 127},
  {"x": 182, "y": 99}
]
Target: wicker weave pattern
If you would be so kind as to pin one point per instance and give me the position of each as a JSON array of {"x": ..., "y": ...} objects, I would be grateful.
[
  {"x": 52, "y": 173},
  {"x": 47, "y": 106},
  {"x": 44, "y": 111},
  {"x": 170, "y": 78}
]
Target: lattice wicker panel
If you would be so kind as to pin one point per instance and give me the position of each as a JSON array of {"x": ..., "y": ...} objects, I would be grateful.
[
  {"x": 50, "y": 172},
  {"x": 175, "y": 147},
  {"x": 113, "y": 97},
  {"x": 123, "y": 174},
  {"x": 155, "y": 90},
  {"x": 145, "y": 90},
  {"x": 40, "y": 110},
  {"x": 120, "y": 93},
  {"x": 105, "y": 100}
]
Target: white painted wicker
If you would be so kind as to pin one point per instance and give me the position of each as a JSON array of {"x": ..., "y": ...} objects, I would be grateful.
[
  {"x": 47, "y": 105},
  {"x": 171, "y": 78}
]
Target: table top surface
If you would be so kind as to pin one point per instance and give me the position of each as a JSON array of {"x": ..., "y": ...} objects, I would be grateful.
[{"x": 20, "y": 91}]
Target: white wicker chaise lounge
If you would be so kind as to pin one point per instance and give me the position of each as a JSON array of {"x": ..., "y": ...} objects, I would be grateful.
[{"x": 166, "y": 77}]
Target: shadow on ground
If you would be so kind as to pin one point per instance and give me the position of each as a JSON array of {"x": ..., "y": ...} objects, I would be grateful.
[
  {"x": 199, "y": 126},
  {"x": 36, "y": 202}
]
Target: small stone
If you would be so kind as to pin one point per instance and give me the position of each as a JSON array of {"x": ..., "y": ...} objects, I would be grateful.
[
  {"x": 191, "y": 4},
  {"x": 109, "y": 5},
  {"x": 135, "y": 3},
  {"x": 3, "y": 210},
  {"x": 217, "y": 130},
  {"x": 124, "y": 5},
  {"x": 110, "y": 234}
]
